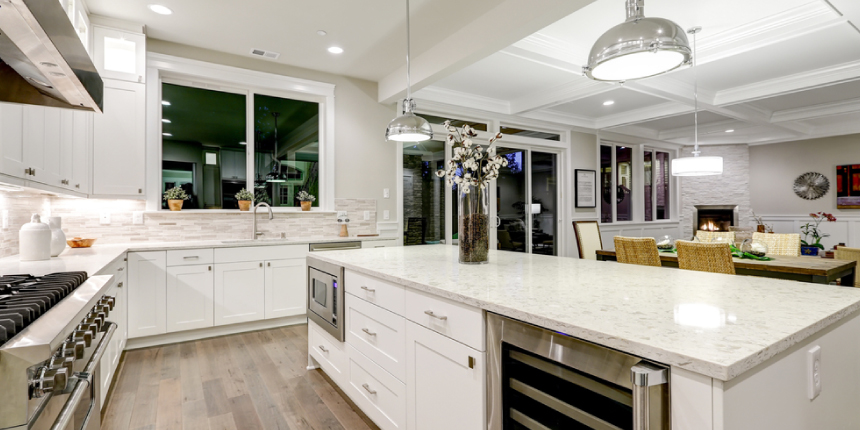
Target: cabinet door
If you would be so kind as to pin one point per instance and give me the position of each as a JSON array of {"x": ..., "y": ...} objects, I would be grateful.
[
  {"x": 147, "y": 282},
  {"x": 445, "y": 381},
  {"x": 80, "y": 178},
  {"x": 42, "y": 144},
  {"x": 118, "y": 141},
  {"x": 12, "y": 140},
  {"x": 286, "y": 288},
  {"x": 67, "y": 148},
  {"x": 119, "y": 54},
  {"x": 239, "y": 292},
  {"x": 120, "y": 311},
  {"x": 189, "y": 297}
]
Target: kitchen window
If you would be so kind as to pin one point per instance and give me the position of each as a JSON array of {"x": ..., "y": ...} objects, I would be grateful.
[
  {"x": 630, "y": 175},
  {"x": 657, "y": 179}
]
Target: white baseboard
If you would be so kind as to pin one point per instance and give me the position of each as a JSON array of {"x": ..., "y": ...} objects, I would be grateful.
[{"x": 203, "y": 333}]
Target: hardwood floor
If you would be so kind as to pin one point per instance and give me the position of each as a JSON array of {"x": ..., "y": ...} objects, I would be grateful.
[{"x": 255, "y": 380}]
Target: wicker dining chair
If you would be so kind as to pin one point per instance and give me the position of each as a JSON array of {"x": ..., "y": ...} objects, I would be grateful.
[
  {"x": 637, "y": 250},
  {"x": 712, "y": 236},
  {"x": 705, "y": 257},
  {"x": 780, "y": 244},
  {"x": 846, "y": 253}
]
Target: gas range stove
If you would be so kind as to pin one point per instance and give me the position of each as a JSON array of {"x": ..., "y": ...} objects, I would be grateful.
[{"x": 53, "y": 333}]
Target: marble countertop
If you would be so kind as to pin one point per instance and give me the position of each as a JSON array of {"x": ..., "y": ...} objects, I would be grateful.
[
  {"x": 98, "y": 256},
  {"x": 712, "y": 324}
]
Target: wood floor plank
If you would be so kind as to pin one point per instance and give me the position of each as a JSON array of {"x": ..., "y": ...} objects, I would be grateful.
[
  {"x": 315, "y": 410},
  {"x": 335, "y": 402},
  {"x": 145, "y": 407},
  {"x": 118, "y": 414},
  {"x": 208, "y": 371},
  {"x": 170, "y": 361},
  {"x": 231, "y": 375},
  {"x": 266, "y": 407},
  {"x": 244, "y": 413},
  {"x": 130, "y": 377},
  {"x": 169, "y": 403},
  {"x": 216, "y": 398},
  {"x": 222, "y": 422},
  {"x": 189, "y": 373},
  {"x": 195, "y": 415}
]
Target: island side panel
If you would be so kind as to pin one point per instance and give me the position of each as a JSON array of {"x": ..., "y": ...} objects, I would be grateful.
[
  {"x": 692, "y": 400},
  {"x": 773, "y": 395}
]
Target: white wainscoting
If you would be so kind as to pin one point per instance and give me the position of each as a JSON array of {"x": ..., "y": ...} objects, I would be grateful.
[
  {"x": 646, "y": 229},
  {"x": 846, "y": 229}
]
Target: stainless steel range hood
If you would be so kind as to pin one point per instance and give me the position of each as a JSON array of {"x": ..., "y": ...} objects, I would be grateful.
[{"x": 42, "y": 60}]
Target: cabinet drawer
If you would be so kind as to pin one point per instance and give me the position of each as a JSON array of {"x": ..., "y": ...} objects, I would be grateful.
[
  {"x": 260, "y": 253},
  {"x": 376, "y": 291},
  {"x": 378, "y": 333},
  {"x": 117, "y": 268},
  {"x": 329, "y": 353},
  {"x": 381, "y": 396},
  {"x": 455, "y": 320},
  {"x": 189, "y": 257}
]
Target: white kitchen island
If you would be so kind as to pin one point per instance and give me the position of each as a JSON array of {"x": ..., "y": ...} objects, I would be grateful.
[{"x": 737, "y": 346}]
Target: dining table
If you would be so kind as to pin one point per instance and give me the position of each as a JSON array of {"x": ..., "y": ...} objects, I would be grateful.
[{"x": 805, "y": 269}]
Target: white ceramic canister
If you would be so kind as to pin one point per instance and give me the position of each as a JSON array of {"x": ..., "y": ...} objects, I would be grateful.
[
  {"x": 34, "y": 240},
  {"x": 58, "y": 238}
]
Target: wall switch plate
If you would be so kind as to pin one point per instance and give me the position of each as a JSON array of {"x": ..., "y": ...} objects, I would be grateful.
[
  {"x": 5, "y": 219},
  {"x": 366, "y": 215},
  {"x": 813, "y": 372},
  {"x": 341, "y": 214},
  {"x": 104, "y": 218},
  {"x": 386, "y": 193},
  {"x": 137, "y": 217},
  {"x": 386, "y": 215}
]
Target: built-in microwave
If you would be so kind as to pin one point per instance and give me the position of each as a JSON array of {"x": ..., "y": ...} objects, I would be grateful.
[{"x": 325, "y": 296}]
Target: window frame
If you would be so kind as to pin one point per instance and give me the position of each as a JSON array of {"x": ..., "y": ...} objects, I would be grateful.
[
  {"x": 183, "y": 71},
  {"x": 638, "y": 179}
]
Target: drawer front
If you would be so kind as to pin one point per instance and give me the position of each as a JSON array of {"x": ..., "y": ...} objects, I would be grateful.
[
  {"x": 378, "y": 333},
  {"x": 329, "y": 353},
  {"x": 376, "y": 291},
  {"x": 381, "y": 396},
  {"x": 260, "y": 253},
  {"x": 189, "y": 257},
  {"x": 455, "y": 320},
  {"x": 117, "y": 268}
]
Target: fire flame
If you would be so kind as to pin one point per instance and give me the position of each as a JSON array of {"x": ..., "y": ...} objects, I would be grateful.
[{"x": 709, "y": 226}]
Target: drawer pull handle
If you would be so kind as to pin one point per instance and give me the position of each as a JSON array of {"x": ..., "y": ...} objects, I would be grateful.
[
  {"x": 369, "y": 290},
  {"x": 471, "y": 362},
  {"x": 369, "y": 333},
  {"x": 367, "y": 387},
  {"x": 191, "y": 257},
  {"x": 119, "y": 285},
  {"x": 322, "y": 348},
  {"x": 120, "y": 269},
  {"x": 443, "y": 318}
]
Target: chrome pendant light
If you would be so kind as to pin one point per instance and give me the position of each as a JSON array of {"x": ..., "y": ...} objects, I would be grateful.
[
  {"x": 275, "y": 175},
  {"x": 696, "y": 165},
  {"x": 408, "y": 127},
  {"x": 638, "y": 48}
]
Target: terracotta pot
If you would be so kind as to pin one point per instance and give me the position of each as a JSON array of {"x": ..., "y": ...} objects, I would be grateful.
[
  {"x": 760, "y": 228},
  {"x": 175, "y": 205},
  {"x": 244, "y": 205},
  {"x": 306, "y": 206}
]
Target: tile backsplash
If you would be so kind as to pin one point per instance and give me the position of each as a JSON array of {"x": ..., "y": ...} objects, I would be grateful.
[{"x": 82, "y": 217}]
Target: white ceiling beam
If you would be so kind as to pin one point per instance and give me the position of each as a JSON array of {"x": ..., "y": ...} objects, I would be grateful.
[
  {"x": 649, "y": 113},
  {"x": 579, "y": 88},
  {"x": 704, "y": 129},
  {"x": 790, "y": 84},
  {"x": 458, "y": 98},
  {"x": 817, "y": 111},
  {"x": 517, "y": 19}
]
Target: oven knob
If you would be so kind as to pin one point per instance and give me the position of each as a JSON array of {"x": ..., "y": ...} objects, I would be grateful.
[
  {"x": 92, "y": 328},
  {"x": 108, "y": 301},
  {"x": 49, "y": 380},
  {"x": 67, "y": 363},
  {"x": 72, "y": 349},
  {"x": 84, "y": 336},
  {"x": 102, "y": 309},
  {"x": 96, "y": 319}
]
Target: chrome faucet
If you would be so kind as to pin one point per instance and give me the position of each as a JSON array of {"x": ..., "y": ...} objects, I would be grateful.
[{"x": 271, "y": 216}]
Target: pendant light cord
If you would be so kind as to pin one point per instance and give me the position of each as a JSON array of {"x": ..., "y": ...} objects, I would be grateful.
[
  {"x": 408, "y": 47},
  {"x": 695, "y": 97}
]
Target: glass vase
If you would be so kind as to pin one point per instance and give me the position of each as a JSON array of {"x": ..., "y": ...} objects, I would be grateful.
[{"x": 473, "y": 225}]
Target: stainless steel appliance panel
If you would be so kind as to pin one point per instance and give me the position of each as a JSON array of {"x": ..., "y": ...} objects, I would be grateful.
[{"x": 326, "y": 296}]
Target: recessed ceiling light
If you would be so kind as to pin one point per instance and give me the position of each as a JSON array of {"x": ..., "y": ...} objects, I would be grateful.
[
  {"x": 165, "y": 103},
  {"x": 730, "y": 131},
  {"x": 159, "y": 9},
  {"x": 165, "y": 120},
  {"x": 335, "y": 50},
  {"x": 321, "y": 32},
  {"x": 166, "y": 134},
  {"x": 609, "y": 103}
]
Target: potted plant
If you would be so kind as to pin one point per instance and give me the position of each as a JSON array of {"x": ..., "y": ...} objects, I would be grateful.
[
  {"x": 175, "y": 197},
  {"x": 811, "y": 228},
  {"x": 306, "y": 200},
  {"x": 245, "y": 199}
]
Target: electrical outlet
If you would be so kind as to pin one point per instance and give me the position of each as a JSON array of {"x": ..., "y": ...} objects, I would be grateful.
[
  {"x": 137, "y": 217},
  {"x": 5, "y": 218},
  {"x": 386, "y": 215},
  {"x": 367, "y": 215},
  {"x": 341, "y": 214},
  {"x": 813, "y": 372},
  {"x": 104, "y": 218},
  {"x": 386, "y": 193}
]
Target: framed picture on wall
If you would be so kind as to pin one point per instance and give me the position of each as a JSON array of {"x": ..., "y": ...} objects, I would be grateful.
[
  {"x": 848, "y": 186},
  {"x": 585, "y": 185}
]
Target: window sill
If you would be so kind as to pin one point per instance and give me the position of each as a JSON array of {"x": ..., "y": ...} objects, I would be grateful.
[{"x": 296, "y": 211}]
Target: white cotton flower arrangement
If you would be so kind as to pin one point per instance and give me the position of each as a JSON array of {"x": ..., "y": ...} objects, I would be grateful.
[{"x": 471, "y": 165}]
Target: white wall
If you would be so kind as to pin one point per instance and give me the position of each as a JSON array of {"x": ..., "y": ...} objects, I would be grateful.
[
  {"x": 773, "y": 169},
  {"x": 363, "y": 159}
]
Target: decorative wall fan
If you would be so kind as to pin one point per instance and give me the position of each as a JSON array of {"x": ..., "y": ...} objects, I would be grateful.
[{"x": 811, "y": 186}]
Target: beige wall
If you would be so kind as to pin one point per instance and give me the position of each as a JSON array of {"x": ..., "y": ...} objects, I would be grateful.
[
  {"x": 773, "y": 169},
  {"x": 364, "y": 161}
]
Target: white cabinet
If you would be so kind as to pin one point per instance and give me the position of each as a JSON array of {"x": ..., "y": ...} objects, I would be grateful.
[
  {"x": 42, "y": 131},
  {"x": 239, "y": 292},
  {"x": 118, "y": 141},
  {"x": 12, "y": 140},
  {"x": 147, "y": 282},
  {"x": 233, "y": 166},
  {"x": 119, "y": 54},
  {"x": 189, "y": 297},
  {"x": 79, "y": 178},
  {"x": 286, "y": 288},
  {"x": 446, "y": 381}
]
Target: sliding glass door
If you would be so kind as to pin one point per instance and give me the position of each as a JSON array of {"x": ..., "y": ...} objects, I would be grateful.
[
  {"x": 512, "y": 204},
  {"x": 424, "y": 193}
]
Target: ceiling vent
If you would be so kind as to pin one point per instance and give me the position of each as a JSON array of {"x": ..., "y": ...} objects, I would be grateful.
[{"x": 265, "y": 54}]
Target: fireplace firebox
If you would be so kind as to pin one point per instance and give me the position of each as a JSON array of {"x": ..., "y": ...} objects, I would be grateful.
[{"x": 714, "y": 217}]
